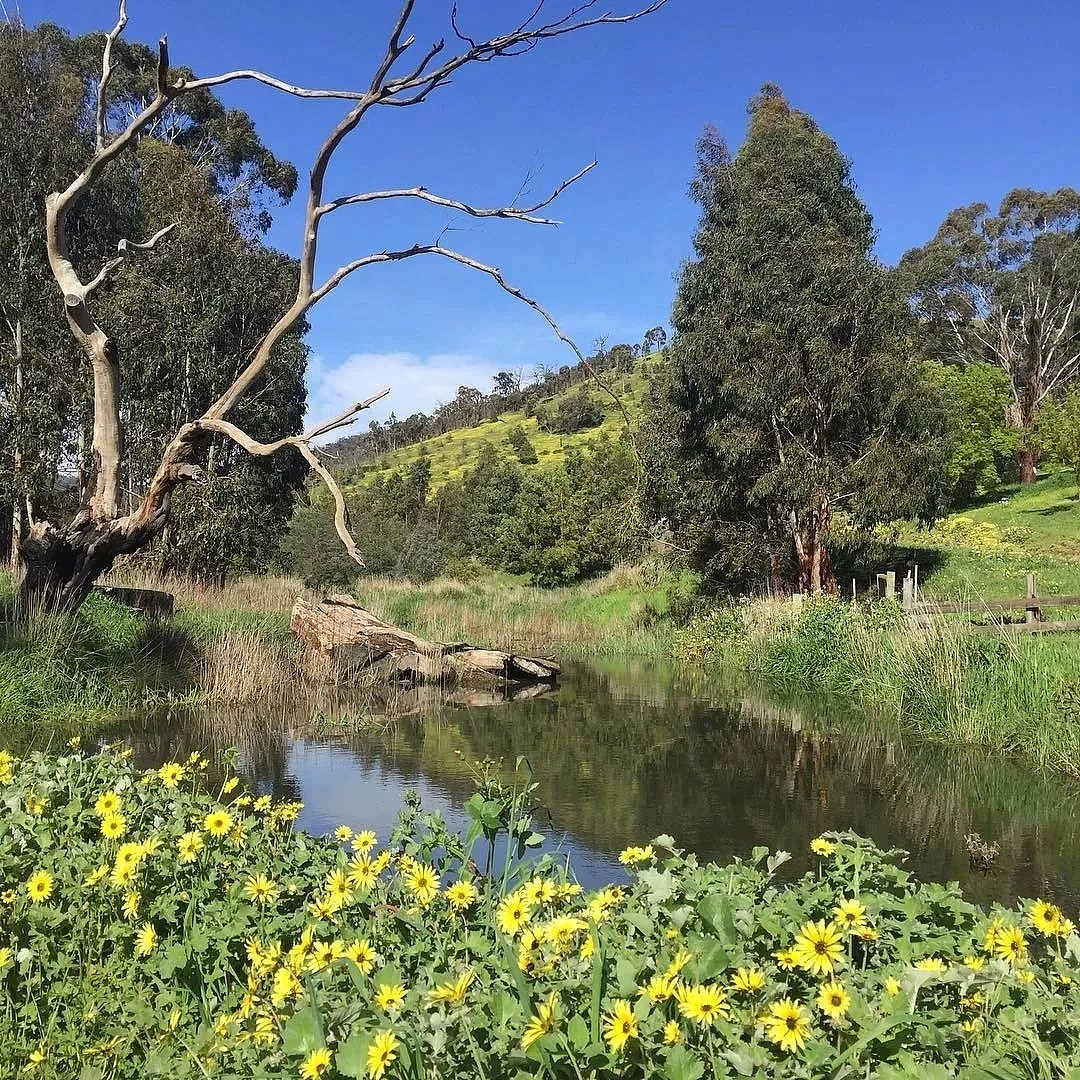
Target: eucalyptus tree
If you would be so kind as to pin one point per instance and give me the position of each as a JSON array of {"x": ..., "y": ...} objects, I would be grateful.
[
  {"x": 62, "y": 559},
  {"x": 1004, "y": 288},
  {"x": 790, "y": 395}
]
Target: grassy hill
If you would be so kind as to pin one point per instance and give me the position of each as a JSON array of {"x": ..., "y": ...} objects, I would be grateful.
[
  {"x": 455, "y": 452},
  {"x": 987, "y": 549}
]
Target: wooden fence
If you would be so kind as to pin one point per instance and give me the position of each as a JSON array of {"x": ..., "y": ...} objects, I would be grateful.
[{"x": 921, "y": 612}]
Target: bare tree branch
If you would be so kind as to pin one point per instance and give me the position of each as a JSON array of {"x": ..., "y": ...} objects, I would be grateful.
[
  {"x": 125, "y": 248},
  {"x": 106, "y": 73},
  {"x": 302, "y": 443},
  {"x": 519, "y": 214},
  {"x": 495, "y": 274}
]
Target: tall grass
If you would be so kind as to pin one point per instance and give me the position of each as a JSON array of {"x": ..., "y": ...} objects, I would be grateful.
[
  {"x": 223, "y": 645},
  {"x": 1017, "y": 694},
  {"x": 621, "y": 613}
]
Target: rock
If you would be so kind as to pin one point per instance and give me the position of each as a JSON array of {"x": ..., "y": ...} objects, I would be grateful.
[{"x": 340, "y": 630}]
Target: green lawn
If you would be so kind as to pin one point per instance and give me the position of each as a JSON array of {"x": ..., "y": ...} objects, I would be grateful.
[{"x": 988, "y": 549}]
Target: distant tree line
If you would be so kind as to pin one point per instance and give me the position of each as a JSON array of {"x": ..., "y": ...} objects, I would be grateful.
[{"x": 554, "y": 525}]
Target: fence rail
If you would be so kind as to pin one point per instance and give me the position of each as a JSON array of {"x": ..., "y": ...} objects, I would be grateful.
[{"x": 1033, "y": 605}]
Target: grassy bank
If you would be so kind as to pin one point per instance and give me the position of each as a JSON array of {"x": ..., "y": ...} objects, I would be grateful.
[
  {"x": 623, "y": 612},
  {"x": 177, "y": 927},
  {"x": 1017, "y": 694},
  {"x": 231, "y": 644}
]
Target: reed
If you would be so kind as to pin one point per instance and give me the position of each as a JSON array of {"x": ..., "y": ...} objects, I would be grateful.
[{"x": 1014, "y": 694}]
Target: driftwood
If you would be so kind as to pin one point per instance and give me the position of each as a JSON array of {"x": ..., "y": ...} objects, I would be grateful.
[{"x": 341, "y": 630}]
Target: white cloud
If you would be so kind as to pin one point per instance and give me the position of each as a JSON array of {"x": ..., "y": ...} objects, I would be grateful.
[{"x": 417, "y": 384}]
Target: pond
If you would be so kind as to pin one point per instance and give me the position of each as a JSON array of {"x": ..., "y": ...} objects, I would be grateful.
[{"x": 626, "y": 751}]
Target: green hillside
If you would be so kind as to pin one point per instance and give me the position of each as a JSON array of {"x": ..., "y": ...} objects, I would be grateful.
[
  {"x": 455, "y": 452},
  {"x": 987, "y": 549}
]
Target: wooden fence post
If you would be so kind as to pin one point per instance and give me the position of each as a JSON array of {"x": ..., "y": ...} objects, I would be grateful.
[
  {"x": 1032, "y": 614},
  {"x": 886, "y": 584},
  {"x": 908, "y": 592}
]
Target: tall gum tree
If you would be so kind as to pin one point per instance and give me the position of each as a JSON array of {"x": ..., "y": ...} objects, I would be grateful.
[
  {"x": 62, "y": 561},
  {"x": 790, "y": 395},
  {"x": 1004, "y": 288}
]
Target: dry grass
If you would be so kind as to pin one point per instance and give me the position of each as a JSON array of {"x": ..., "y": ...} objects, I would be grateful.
[{"x": 269, "y": 595}]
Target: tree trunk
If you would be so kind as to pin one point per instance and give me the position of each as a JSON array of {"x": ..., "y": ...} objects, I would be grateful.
[
  {"x": 17, "y": 457},
  {"x": 815, "y": 565},
  {"x": 61, "y": 564},
  {"x": 1029, "y": 460},
  {"x": 341, "y": 630}
]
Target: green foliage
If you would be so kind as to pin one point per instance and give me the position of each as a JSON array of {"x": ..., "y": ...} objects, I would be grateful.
[
  {"x": 262, "y": 950},
  {"x": 580, "y": 520},
  {"x": 790, "y": 387},
  {"x": 555, "y": 525},
  {"x": 574, "y": 412},
  {"x": 982, "y": 448},
  {"x": 1003, "y": 288},
  {"x": 523, "y": 449},
  {"x": 1059, "y": 431}
]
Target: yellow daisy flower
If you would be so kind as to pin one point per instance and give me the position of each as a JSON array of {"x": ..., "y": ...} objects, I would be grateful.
[
  {"x": 704, "y": 1004},
  {"x": 107, "y": 803},
  {"x": 818, "y": 948},
  {"x": 218, "y": 822},
  {"x": 170, "y": 774},
  {"x": 261, "y": 890},
  {"x": 390, "y": 997},
  {"x": 189, "y": 845},
  {"x": 113, "y": 826},
  {"x": 620, "y": 1026},
  {"x": 146, "y": 939},
  {"x": 362, "y": 955},
  {"x": 748, "y": 980},
  {"x": 363, "y": 841},
  {"x": 381, "y": 1054},
  {"x": 834, "y": 1000},
  {"x": 316, "y": 1064},
  {"x": 787, "y": 1024},
  {"x": 40, "y": 886},
  {"x": 513, "y": 914},
  {"x": 461, "y": 895}
]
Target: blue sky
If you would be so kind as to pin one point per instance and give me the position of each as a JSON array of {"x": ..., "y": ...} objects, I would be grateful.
[{"x": 937, "y": 105}]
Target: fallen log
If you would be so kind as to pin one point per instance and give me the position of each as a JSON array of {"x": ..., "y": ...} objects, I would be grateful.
[
  {"x": 153, "y": 603},
  {"x": 341, "y": 630}
]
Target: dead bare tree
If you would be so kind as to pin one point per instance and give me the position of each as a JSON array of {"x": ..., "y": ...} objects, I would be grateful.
[{"x": 61, "y": 562}]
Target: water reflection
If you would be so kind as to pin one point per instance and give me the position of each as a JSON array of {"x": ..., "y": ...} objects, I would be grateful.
[{"x": 624, "y": 752}]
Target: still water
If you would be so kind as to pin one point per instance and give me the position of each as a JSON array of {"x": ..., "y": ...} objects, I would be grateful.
[{"x": 624, "y": 752}]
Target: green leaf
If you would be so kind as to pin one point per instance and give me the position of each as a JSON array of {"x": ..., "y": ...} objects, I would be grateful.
[
  {"x": 660, "y": 883},
  {"x": 303, "y": 1032},
  {"x": 626, "y": 973},
  {"x": 351, "y": 1058},
  {"x": 716, "y": 912},
  {"x": 712, "y": 958},
  {"x": 681, "y": 1064},
  {"x": 577, "y": 1031}
]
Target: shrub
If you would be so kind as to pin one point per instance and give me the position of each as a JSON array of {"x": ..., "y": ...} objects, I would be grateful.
[{"x": 180, "y": 928}]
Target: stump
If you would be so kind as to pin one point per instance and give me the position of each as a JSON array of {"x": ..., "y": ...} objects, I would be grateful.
[{"x": 341, "y": 630}]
